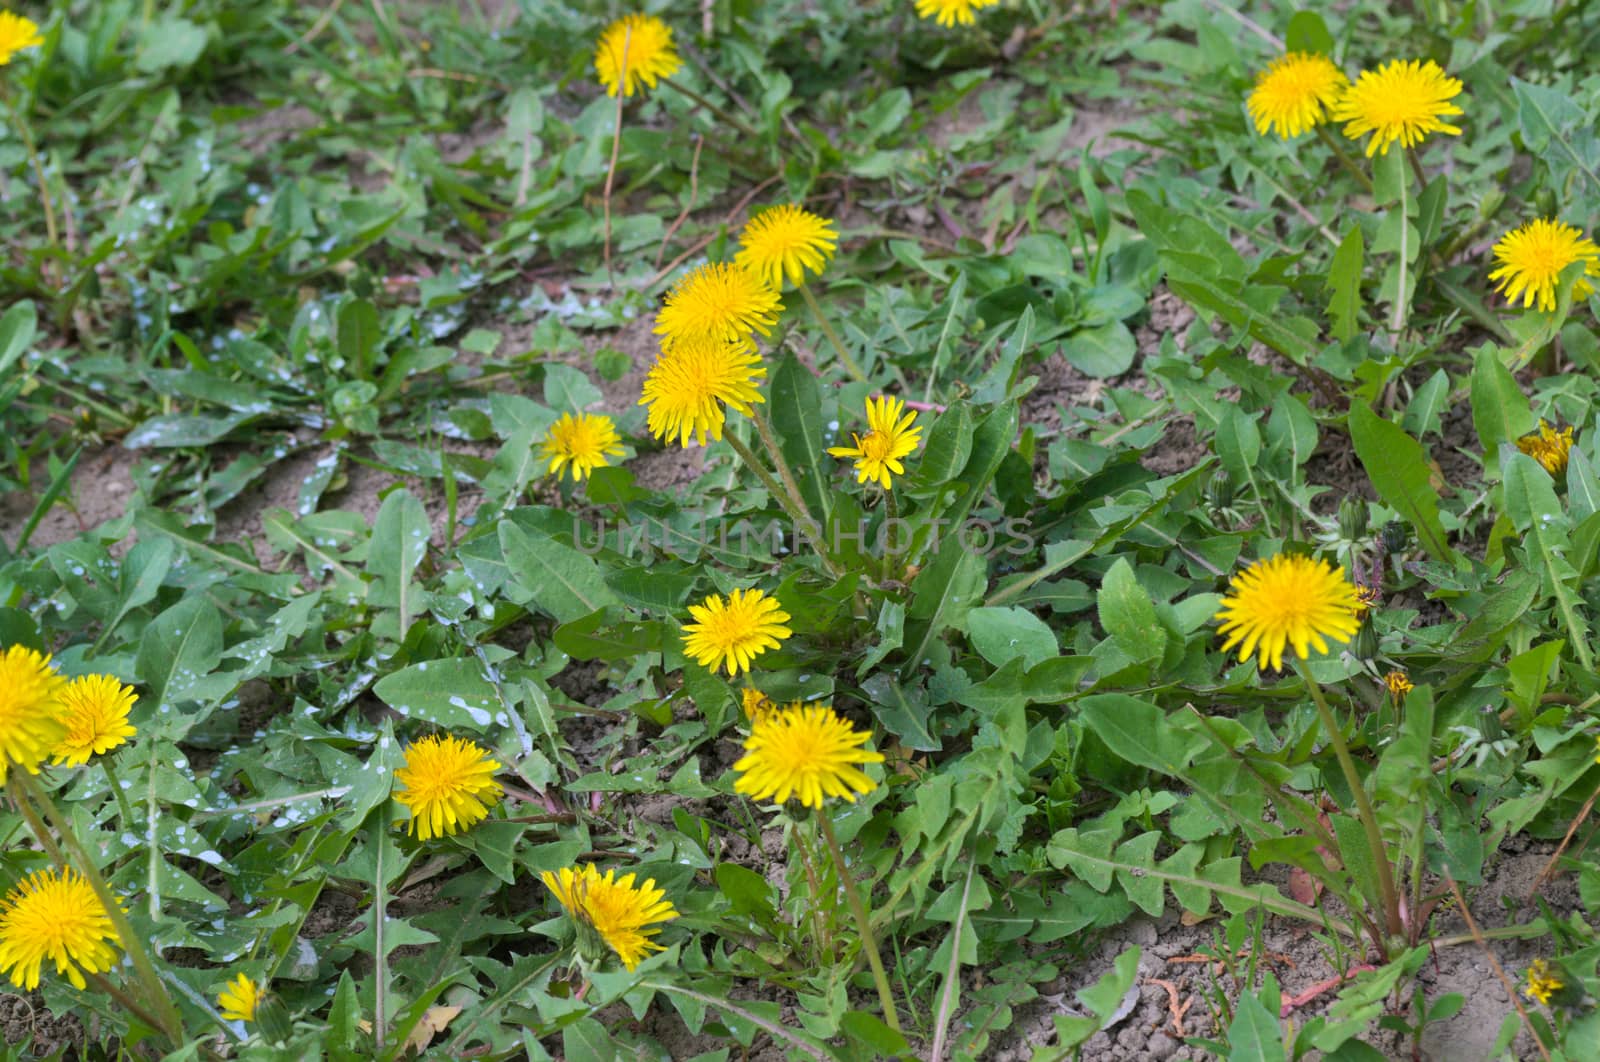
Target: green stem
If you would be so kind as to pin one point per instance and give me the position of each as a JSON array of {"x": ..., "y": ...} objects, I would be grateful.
[
  {"x": 116, "y": 789},
  {"x": 858, "y": 910},
  {"x": 712, "y": 107},
  {"x": 1345, "y": 159},
  {"x": 1401, "y": 303},
  {"x": 818, "y": 925},
  {"x": 790, "y": 502},
  {"x": 155, "y": 993},
  {"x": 38, "y": 167},
  {"x": 774, "y": 451},
  {"x": 845, "y": 359},
  {"x": 1369, "y": 818}
]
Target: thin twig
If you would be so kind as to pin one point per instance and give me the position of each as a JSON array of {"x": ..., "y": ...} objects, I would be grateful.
[
  {"x": 694, "y": 191},
  {"x": 1248, "y": 23},
  {"x": 316, "y": 28},
  {"x": 1477, "y": 937},
  {"x": 671, "y": 267},
  {"x": 1550, "y": 866}
]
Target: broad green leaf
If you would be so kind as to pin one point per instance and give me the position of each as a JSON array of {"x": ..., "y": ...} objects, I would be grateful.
[
  {"x": 1534, "y": 510},
  {"x": 452, "y": 694},
  {"x": 1308, "y": 33},
  {"x": 1129, "y": 615},
  {"x": 797, "y": 420},
  {"x": 1344, "y": 281},
  {"x": 1583, "y": 486},
  {"x": 1500, "y": 411},
  {"x": 17, "y": 328},
  {"x": 568, "y": 390},
  {"x": 179, "y": 649},
  {"x": 399, "y": 542},
  {"x": 1400, "y": 471},
  {"x": 557, "y": 578},
  {"x": 359, "y": 333},
  {"x": 1006, "y": 633}
]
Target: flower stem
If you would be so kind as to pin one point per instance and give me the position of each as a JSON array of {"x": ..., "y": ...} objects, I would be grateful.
[
  {"x": 155, "y": 993},
  {"x": 1369, "y": 818},
  {"x": 1401, "y": 302},
  {"x": 1345, "y": 159},
  {"x": 38, "y": 166},
  {"x": 790, "y": 502},
  {"x": 858, "y": 909},
  {"x": 818, "y": 925},
  {"x": 616, "y": 146},
  {"x": 845, "y": 359},
  {"x": 116, "y": 789},
  {"x": 770, "y": 441}
]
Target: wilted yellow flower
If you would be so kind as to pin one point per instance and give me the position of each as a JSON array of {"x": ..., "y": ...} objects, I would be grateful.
[
  {"x": 1532, "y": 257},
  {"x": 641, "y": 45},
  {"x": 1293, "y": 94},
  {"x": 889, "y": 438},
  {"x": 1287, "y": 600},
  {"x": 1543, "y": 982},
  {"x": 1403, "y": 102},
  {"x": 1366, "y": 598},
  {"x": 735, "y": 632},
  {"x": 448, "y": 784},
  {"x": 1548, "y": 446},
  {"x": 756, "y": 704},
  {"x": 950, "y": 12},
  {"x": 96, "y": 718},
  {"x": 727, "y": 302},
  {"x": 31, "y": 709},
  {"x": 16, "y": 33},
  {"x": 622, "y": 914},
  {"x": 1397, "y": 684},
  {"x": 238, "y": 1001},
  {"x": 582, "y": 443},
  {"x": 785, "y": 241},
  {"x": 805, "y": 751},
  {"x": 56, "y": 916}
]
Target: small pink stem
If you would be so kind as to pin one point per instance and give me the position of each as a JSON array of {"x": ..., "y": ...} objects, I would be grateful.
[
  {"x": 925, "y": 407},
  {"x": 1293, "y": 1002}
]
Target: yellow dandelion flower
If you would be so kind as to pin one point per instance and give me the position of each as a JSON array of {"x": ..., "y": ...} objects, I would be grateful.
[
  {"x": 1287, "y": 600},
  {"x": 756, "y": 705},
  {"x": 624, "y": 915},
  {"x": 950, "y": 12},
  {"x": 31, "y": 709},
  {"x": 1548, "y": 446},
  {"x": 96, "y": 718},
  {"x": 735, "y": 632},
  {"x": 1294, "y": 93},
  {"x": 889, "y": 438},
  {"x": 1366, "y": 598},
  {"x": 447, "y": 784},
  {"x": 1532, "y": 257},
  {"x": 16, "y": 33},
  {"x": 804, "y": 751},
  {"x": 582, "y": 443},
  {"x": 1543, "y": 982},
  {"x": 726, "y": 301},
  {"x": 635, "y": 49},
  {"x": 1397, "y": 684},
  {"x": 688, "y": 385},
  {"x": 238, "y": 1001},
  {"x": 785, "y": 241},
  {"x": 1402, "y": 102},
  {"x": 54, "y": 915}
]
